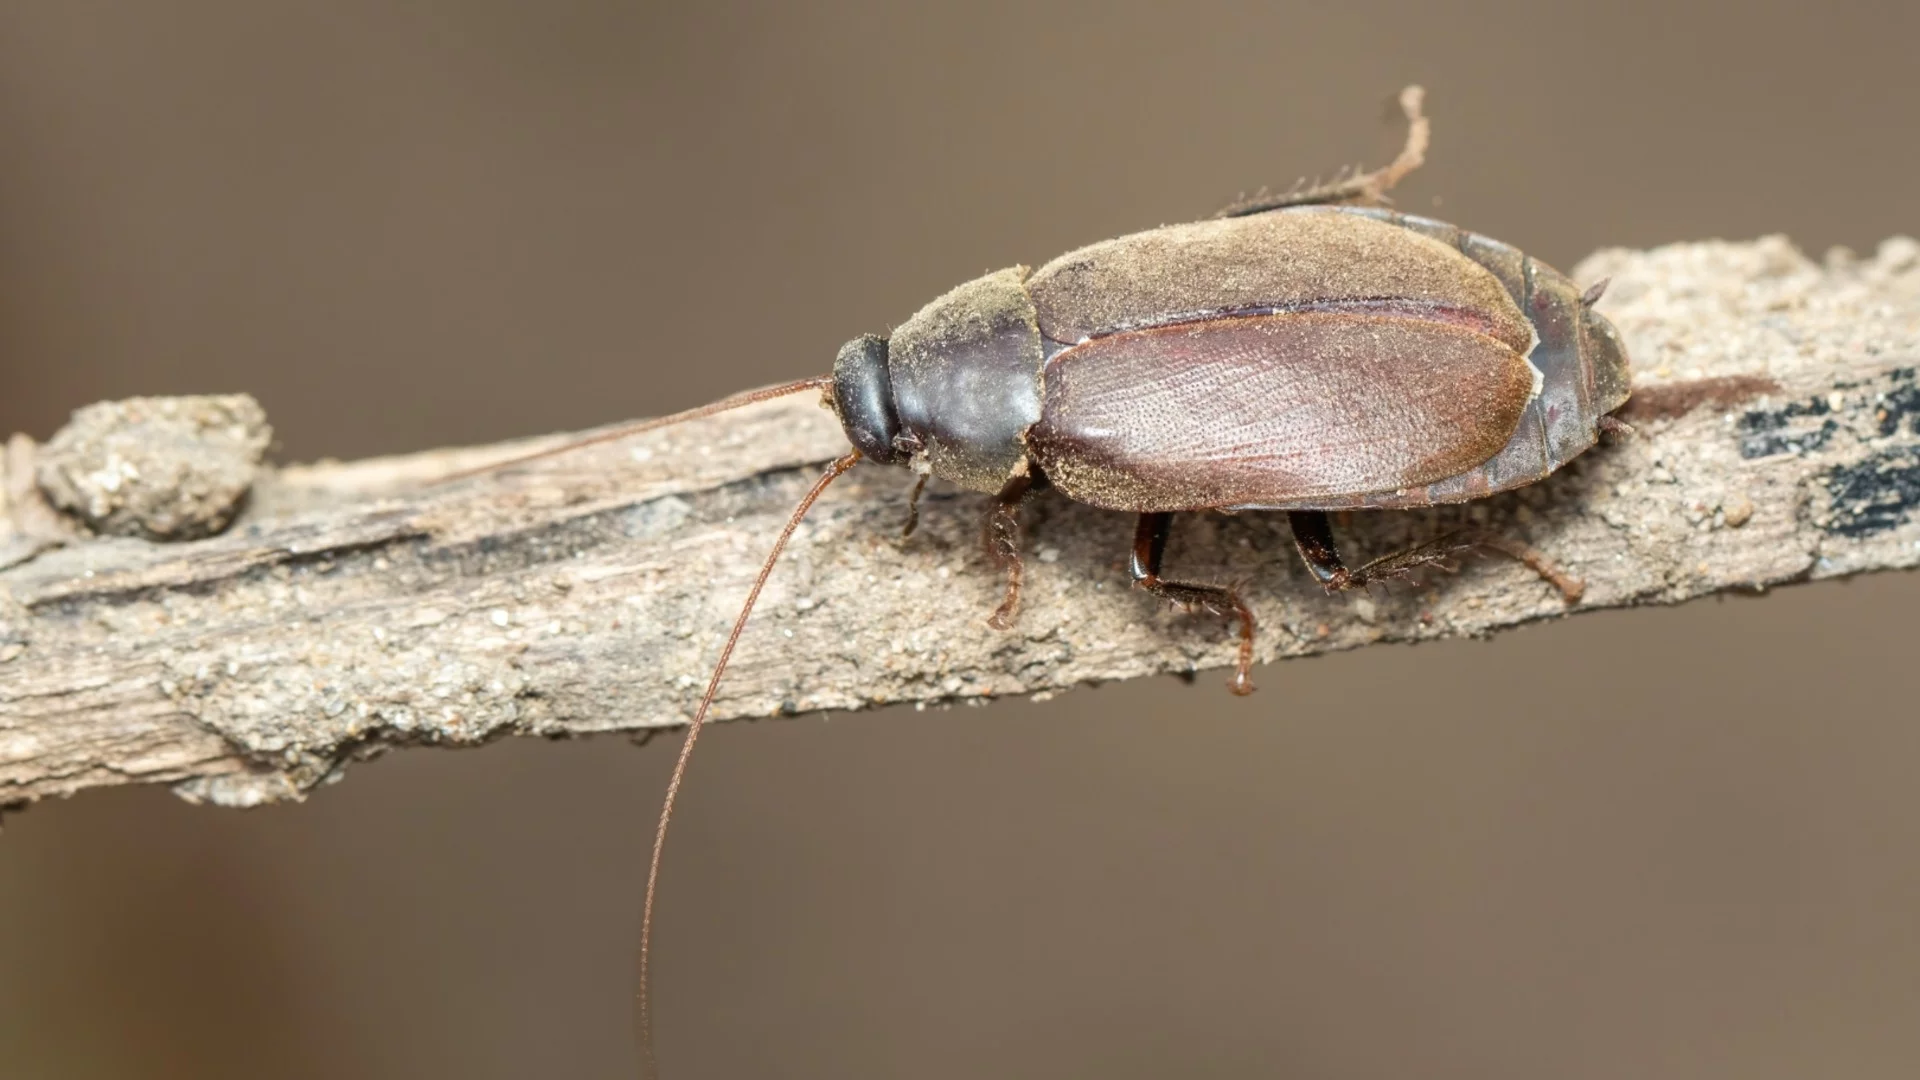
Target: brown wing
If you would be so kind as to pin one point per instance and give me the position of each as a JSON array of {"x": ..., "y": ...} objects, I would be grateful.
[{"x": 1274, "y": 408}]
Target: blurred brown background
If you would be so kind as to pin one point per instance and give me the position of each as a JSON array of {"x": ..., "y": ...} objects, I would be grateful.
[{"x": 1664, "y": 843}]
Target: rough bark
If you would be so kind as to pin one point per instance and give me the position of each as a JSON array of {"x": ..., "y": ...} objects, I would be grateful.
[{"x": 353, "y": 608}]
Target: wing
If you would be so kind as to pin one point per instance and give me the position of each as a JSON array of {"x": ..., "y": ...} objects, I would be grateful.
[{"x": 1275, "y": 408}]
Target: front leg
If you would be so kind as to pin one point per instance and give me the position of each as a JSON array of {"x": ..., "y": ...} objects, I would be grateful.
[
  {"x": 913, "y": 506},
  {"x": 1002, "y": 539},
  {"x": 1149, "y": 548}
]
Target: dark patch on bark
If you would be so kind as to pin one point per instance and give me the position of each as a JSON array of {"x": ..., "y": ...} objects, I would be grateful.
[
  {"x": 1875, "y": 495},
  {"x": 1764, "y": 431}
]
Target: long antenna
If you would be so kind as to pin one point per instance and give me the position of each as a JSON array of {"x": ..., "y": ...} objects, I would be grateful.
[
  {"x": 745, "y": 397},
  {"x": 650, "y": 1068}
]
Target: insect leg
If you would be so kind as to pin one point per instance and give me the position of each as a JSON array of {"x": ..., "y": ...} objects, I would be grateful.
[
  {"x": 1368, "y": 188},
  {"x": 913, "y": 506},
  {"x": 1149, "y": 549},
  {"x": 1002, "y": 538},
  {"x": 1314, "y": 537},
  {"x": 1572, "y": 588}
]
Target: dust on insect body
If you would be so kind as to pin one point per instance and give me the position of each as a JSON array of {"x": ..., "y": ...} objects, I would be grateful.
[{"x": 1311, "y": 352}]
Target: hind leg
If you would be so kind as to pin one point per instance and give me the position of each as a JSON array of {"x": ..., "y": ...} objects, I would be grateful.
[
  {"x": 1149, "y": 549},
  {"x": 1313, "y": 535},
  {"x": 1368, "y": 188}
]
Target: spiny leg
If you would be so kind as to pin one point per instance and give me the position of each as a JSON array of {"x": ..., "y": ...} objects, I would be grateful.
[
  {"x": 1149, "y": 548},
  {"x": 1002, "y": 538},
  {"x": 1313, "y": 535},
  {"x": 1368, "y": 188}
]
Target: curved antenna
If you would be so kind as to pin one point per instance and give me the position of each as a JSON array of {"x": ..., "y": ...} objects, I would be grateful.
[
  {"x": 745, "y": 397},
  {"x": 650, "y": 1067}
]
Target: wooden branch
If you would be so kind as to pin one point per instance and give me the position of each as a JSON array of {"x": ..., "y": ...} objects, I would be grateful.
[{"x": 351, "y": 608}]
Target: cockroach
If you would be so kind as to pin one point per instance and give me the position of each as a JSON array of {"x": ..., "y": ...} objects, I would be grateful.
[{"x": 1308, "y": 352}]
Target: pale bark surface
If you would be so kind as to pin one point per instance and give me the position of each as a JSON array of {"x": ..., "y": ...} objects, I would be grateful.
[{"x": 351, "y": 608}]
